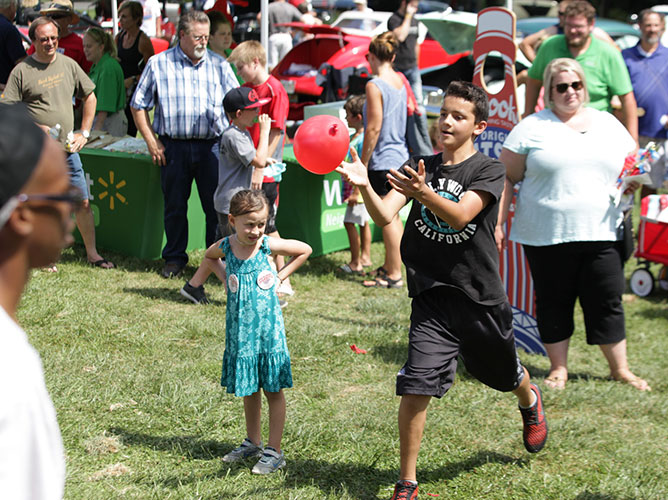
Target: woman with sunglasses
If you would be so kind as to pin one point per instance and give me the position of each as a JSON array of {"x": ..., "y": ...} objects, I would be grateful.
[{"x": 567, "y": 158}]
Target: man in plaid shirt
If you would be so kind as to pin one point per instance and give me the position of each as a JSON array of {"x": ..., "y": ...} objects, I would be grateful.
[{"x": 186, "y": 85}]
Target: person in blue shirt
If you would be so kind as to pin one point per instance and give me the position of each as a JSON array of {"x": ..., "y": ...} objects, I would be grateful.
[
  {"x": 11, "y": 47},
  {"x": 647, "y": 63}
]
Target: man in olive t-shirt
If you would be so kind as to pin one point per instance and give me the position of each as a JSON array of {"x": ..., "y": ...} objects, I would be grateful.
[{"x": 46, "y": 81}]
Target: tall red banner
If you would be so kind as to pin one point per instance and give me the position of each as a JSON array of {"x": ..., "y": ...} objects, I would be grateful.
[{"x": 495, "y": 32}]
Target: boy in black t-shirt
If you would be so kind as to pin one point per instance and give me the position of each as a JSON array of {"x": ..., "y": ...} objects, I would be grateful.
[{"x": 459, "y": 304}]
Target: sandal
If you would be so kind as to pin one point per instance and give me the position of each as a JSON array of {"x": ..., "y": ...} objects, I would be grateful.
[
  {"x": 384, "y": 282},
  {"x": 555, "y": 382},
  {"x": 103, "y": 264},
  {"x": 348, "y": 270},
  {"x": 379, "y": 272}
]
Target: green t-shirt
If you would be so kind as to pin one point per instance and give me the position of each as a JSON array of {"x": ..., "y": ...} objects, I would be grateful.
[
  {"x": 603, "y": 67},
  {"x": 47, "y": 89},
  {"x": 107, "y": 75}
]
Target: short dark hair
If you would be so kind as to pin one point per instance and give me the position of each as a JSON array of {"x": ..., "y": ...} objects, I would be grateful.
[
  {"x": 355, "y": 105},
  {"x": 135, "y": 9},
  {"x": 580, "y": 8},
  {"x": 41, "y": 21},
  {"x": 217, "y": 18},
  {"x": 471, "y": 93}
]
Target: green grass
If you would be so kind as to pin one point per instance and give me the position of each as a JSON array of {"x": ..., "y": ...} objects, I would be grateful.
[{"x": 134, "y": 369}]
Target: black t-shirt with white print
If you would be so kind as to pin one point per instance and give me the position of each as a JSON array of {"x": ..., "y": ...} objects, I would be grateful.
[{"x": 436, "y": 254}]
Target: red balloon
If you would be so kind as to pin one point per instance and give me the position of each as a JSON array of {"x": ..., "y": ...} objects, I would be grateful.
[{"x": 321, "y": 143}]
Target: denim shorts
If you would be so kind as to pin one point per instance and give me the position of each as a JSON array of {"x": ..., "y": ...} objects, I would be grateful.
[{"x": 77, "y": 176}]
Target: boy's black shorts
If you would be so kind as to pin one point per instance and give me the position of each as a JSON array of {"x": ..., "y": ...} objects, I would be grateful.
[{"x": 445, "y": 324}]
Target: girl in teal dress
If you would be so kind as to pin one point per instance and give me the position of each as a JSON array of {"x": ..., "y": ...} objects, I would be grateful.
[{"x": 256, "y": 354}]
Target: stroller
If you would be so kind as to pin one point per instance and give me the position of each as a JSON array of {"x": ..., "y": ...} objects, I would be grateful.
[{"x": 652, "y": 245}]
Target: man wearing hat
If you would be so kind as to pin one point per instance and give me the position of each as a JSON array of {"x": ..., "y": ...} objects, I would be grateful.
[
  {"x": 46, "y": 82},
  {"x": 185, "y": 85},
  {"x": 36, "y": 203},
  {"x": 69, "y": 43}
]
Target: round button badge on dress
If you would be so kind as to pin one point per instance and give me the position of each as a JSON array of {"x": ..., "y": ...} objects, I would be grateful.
[
  {"x": 233, "y": 283},
  {"x": 265, "y": 280}
]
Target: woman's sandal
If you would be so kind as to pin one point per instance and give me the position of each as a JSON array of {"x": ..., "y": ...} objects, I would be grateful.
[
  {"x": 633, "y": 381},
  {"x": 555, "y": 382},
  {"x": 384, "y": 282}
]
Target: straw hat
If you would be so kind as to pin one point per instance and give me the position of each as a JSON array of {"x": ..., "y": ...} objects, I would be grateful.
[{"x": 60, "y": 7}]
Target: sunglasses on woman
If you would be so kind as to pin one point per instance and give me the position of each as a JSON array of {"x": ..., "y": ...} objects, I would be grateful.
[{"x": 563, "y": 87}]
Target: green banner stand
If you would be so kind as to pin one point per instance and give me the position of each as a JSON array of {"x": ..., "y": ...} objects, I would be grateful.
[{"x": 126, "y": 199}]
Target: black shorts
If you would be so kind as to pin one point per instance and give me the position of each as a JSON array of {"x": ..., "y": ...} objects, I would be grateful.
[
  {"x": 589, "y": 271},
  {"x": 378, "y": 181},
  {"x": 271, "y": 192},
  {"x": 445, "y": 324}
]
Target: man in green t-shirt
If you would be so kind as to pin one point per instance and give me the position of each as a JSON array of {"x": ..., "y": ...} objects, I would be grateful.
[
  {"x": 603, "y": 65},
  {"x": 46, "y": 81}
]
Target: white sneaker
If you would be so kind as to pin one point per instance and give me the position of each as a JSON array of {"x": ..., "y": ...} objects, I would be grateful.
[
  {"x": 247, "y": 449},
  {"x": 270, "y": 462},
  {"x": 285, "y": 289}
]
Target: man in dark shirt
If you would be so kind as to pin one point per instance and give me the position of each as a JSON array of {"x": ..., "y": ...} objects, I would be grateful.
[
  {"x": 11, "y": 47},
  {"x": 405, "y": 27}
]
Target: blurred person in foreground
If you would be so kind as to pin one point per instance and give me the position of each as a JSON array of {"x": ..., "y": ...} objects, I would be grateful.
[
  {"x": 36, "y": 202},
  {"x": 568, "y": 158}
]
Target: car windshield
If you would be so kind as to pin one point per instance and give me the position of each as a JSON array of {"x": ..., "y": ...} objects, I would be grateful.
[{"x": 365, "y": 24}]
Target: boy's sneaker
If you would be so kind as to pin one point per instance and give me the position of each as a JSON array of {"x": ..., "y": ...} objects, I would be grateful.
[
  {"x": 247, "y": 449},
  {"x": 535, "y": 424},
  {"x": 270, "y": 462},
  {"x": 195, "y": 295},
  {"x": 405, "y": 490}
]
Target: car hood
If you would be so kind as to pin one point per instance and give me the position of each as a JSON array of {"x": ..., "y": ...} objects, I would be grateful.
[
  {"x": 314, "y": 29},
  {"x": 454, "y": 30}
]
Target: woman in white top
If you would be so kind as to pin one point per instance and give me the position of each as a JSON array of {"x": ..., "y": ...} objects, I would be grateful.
[{"x": 568, "y": 157}]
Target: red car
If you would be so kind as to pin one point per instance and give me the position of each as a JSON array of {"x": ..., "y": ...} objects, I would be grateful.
[{"x": 333, "y": 62}]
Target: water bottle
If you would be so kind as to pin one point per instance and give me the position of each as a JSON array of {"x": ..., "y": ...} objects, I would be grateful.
[{"x": 54, "y": 132}]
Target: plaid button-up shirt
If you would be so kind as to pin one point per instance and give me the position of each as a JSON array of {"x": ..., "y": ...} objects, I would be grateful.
[{"x": 187, "y": 97}]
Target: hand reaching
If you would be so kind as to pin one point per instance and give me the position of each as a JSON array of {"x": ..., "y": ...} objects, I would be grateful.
[
  {"x": 354, "y": 172},
  {"x": 411, "y": 187}
]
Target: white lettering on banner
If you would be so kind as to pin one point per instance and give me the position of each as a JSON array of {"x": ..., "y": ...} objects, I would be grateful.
[
  {"x": 89, "y": 183},
  {"x": 490, "y": 148},
  {"x": 332, "y": 192},
  {"x": 503, "y": 109}
]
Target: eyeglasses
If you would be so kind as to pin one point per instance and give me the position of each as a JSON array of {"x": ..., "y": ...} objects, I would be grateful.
[
  {"x": 73, "y": 196},
  {"x": 58, "y": 16},
  {"x": 200, "y": 38},
  {"x": 563, "y": 87},
  {"x": 46, "y": 39}
]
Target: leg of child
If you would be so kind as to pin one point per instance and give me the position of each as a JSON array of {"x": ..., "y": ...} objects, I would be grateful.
[
  {"x": 365, "y": 244},
  {"x": 253, "y": 412},
  {"x": 276, "y": 402},
  {"x": 525, "y": 396},
  {"x": 412, "y": 417},
  {"x": 202, "y": 273},
  {"x": 392, "y": 239},
  {"x": 354, "y": 240}
]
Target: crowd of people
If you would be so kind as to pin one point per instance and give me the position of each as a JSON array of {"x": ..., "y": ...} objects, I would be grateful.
[{"x": 227, "y": 131}]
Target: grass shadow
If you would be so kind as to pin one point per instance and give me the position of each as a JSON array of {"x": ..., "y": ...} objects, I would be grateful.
[
  {"x": 588, "y": 495},
  {"x": 167, "y": 293},
  {"x": 361, "y": 481}
]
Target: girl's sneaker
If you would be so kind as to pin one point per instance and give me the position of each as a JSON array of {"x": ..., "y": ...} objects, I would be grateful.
[
  {"x": 270, "y": 462},
  {"x": 405, "y": 490},
  {"x": 247, "y": 449}
]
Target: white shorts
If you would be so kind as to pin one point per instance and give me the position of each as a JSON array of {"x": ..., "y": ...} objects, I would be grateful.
[
  {"x": 279, "y": 45},
  {"x": 356, "y": 214}
]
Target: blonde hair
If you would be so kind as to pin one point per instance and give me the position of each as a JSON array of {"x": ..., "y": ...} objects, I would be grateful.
[
  {"x": 103, "y": 38},
  {"x": 246, "y": 52},
  {"x": 559, "y": 66}
]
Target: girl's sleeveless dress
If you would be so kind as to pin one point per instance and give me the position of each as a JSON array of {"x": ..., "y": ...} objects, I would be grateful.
[{"x": 256, "y": 353}]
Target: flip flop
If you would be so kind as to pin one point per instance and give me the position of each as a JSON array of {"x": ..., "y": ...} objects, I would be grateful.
[
  {"x": 384, "y": 282},
  {"x": 102, "y": 264},
  {"x": 555, "y": 382},
  {"x": 379, "y": 272},
  {"x": 345, "y": 268}
]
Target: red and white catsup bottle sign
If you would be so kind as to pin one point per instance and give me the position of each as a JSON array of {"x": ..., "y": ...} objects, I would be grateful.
[{"x": 495, "y": 32}]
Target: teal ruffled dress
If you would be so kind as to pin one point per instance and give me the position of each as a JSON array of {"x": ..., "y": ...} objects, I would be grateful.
[{"x": 256, "y": 353}]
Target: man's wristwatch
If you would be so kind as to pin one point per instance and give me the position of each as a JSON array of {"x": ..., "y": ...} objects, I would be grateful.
[{"x": 85, "y": 133}]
